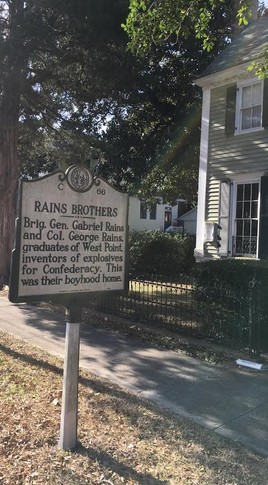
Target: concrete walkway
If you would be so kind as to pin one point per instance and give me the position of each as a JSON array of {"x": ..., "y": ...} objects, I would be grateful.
[{"x": 232, "y": 402}]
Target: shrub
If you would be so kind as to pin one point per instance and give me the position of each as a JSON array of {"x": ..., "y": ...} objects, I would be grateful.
[
  {"x": 156, "y": 252},
  {"x": 234, "y": 294},
  {"x": 231, "y": 273}
]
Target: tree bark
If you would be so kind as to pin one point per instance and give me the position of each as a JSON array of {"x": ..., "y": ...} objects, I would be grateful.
[
  {"x": 8, "y": 179},
  {"x": 9, "y": 122}
]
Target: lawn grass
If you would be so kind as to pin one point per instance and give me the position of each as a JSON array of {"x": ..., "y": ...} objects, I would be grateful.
[{"x": 122, "y": 439}]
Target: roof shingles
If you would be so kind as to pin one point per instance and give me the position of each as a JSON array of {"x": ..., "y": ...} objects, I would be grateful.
[{"x": 244, "y": 48}]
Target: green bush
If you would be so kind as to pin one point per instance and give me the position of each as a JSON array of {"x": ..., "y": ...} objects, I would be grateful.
[
  {"x": 231, "y": 273},
  {"x": 156, "y": 252},
  {"x": 234, "y": 294}
]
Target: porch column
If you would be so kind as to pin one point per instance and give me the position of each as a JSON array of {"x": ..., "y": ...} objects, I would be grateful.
[{"x": 202, "y": 179}]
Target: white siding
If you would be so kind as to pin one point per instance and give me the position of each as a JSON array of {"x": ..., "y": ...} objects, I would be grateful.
[
  {"x": 230, "y": 156},
  {"x": 189, "y": 221},
  {"x": 138, "y": 224}
]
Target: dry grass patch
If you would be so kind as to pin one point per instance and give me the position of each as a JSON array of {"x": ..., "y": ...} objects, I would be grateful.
[{"x": 122, "y": 439}]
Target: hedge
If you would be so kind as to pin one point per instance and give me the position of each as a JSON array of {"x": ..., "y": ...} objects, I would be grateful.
[
  {"x": 160, "y": 253},
  {"x": 236, "y": 293}
]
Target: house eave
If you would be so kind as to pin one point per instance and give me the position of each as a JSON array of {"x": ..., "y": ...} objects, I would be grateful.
[{"x": 225, "y": 76}]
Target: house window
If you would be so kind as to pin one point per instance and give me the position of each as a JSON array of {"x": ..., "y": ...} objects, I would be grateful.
[
  {"x": 249, "y": 106},
  {"x": 143, "y": 210},
  {"x": 246, "y": 107},
  {"x": 152, "y": 212},
  {"x": 246, "y": 219},
  {"x": 147, "y": 213}
]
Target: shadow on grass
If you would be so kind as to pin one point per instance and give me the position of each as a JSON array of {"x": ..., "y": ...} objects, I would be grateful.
[
  {"x": 30, "y": 360},
  {"x": 121, "y": 469},
  {"x": 105, "y": 459},
  {"x": 214, "y": 453},
  {"x": 96, "y": 383}
]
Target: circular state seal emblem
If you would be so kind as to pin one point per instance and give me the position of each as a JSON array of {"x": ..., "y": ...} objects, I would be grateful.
[{"x": 79, "y": 178}]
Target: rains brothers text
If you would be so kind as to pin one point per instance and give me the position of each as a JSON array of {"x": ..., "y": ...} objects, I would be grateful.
[{"x": 72, "y": 247}]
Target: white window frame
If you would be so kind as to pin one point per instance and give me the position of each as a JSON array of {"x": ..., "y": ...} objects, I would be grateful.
[
  {"x": 238, "y": 117},
  {"x": 235, "y": 183}
]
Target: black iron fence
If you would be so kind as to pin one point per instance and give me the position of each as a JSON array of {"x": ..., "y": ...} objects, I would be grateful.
[{"x": 237, "y": 319}]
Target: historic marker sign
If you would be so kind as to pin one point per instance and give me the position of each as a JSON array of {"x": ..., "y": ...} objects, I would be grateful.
[{"x": 71, "y": 237}]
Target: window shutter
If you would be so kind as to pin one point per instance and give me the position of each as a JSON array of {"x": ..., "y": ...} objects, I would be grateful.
[
  {"x": 265, "y": 104},
  {"x": 224, "y": 211},
  {"x": 263, "y": 238},
  {"x": 230, "y": 110}
]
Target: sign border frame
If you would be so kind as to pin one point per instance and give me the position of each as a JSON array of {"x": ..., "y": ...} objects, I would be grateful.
[{"x": 66, "y": 299}]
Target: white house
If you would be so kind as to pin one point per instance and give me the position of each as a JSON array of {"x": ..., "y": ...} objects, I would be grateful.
[
  {"x": 187, "y": 221},
  {"x": 160, "y": 217},
  {"x": 232, "y": 216}
]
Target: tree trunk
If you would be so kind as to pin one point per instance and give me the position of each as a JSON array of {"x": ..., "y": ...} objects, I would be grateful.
[
  {"x": 254, "y": 10},
  {"x": 8, "y": 179},
  {"x": 9, "y": 121}
]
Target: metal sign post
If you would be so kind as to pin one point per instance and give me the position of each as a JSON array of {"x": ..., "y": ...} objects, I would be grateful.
[{"x": 69, "y": 410}]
